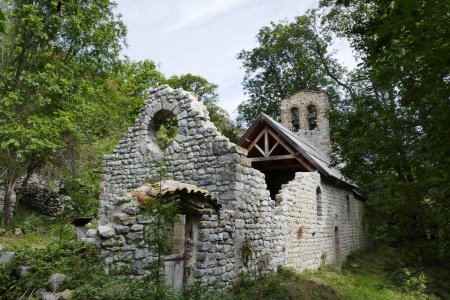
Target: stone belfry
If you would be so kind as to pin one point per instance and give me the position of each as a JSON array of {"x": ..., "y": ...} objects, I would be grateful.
[{"x": 304, "y": 113}]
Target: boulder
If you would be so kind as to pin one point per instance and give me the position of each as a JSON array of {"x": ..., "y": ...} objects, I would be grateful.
[
  {"x": 91, "y": 233},
  {"x": 7, "y": 257},
  {"x": 39, "y": 292},
  {"x": 105, "y": 231},
  {"x": 65, "y": 295},
  {"x": 55, "y": 280},
  {"x": 18, "y": 232},
  {"x": 88, "y": 240},
  {"x": 49, "y": 296}
]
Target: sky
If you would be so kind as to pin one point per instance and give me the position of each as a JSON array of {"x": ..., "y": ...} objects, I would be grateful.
[{"x": 203, "y": 37}]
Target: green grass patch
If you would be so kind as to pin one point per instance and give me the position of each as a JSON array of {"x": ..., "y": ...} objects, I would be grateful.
[
  {"x": 38, "y": 230},
  {"x": 369, "y": 274}
]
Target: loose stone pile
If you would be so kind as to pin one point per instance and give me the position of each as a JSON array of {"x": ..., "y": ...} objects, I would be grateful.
[{"x": 43, "y": 199}]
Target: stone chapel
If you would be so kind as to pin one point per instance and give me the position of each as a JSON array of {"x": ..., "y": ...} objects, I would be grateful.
[{"x": 271, "y": 199}]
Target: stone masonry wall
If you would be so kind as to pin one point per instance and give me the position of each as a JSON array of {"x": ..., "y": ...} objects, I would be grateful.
[
  {"x": 310, "y": 237},
  {"x": 320, "y": 136},
  {"x": 199, "y": 156},
  {"x": 288, "y": 231},
  {"x": 250, "y": 233}
]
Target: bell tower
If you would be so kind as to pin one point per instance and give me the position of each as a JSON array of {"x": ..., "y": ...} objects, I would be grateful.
[{"x": 304, "y": 113}]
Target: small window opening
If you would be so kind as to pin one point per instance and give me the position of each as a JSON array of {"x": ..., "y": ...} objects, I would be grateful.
[
  {"x": 165, "y": 128},
  {"x": 319, "y": 202},
  {"x": 174, "y": 236},
  {"x": 312, "y": 117},
  {"x": 348, "y": 206},
  {"x": 295, "y": 117}
]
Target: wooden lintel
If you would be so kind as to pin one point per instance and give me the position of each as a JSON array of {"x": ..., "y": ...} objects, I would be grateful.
[
  {"x": 270, "y": 158},
  {"x": 295, "y": 167}
]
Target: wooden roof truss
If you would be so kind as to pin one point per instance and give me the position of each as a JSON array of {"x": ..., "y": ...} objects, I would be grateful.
[{"x": 268, "y": 151}]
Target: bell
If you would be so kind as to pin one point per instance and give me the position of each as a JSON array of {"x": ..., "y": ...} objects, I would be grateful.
[{"x": 312, "y": 120}]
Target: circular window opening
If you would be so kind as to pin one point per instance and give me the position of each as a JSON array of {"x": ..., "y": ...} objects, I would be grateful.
[{"x": 164, "y": 128}]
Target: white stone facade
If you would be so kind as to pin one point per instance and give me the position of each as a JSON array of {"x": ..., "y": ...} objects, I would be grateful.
[{"x": 249, "y": 232}]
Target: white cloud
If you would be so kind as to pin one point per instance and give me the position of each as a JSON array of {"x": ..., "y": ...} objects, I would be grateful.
[
  {"x": 208, "y": 12},
  {"x": 203, "y": 37}
]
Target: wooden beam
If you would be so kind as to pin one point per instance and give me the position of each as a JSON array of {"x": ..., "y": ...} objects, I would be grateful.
[
  {"x": 305, "y": 163},
  {"x": 266, "y": 143},
  {"x": 283, "y": 143},
  {"x": 273, "y": 148},
  {"x": 282, "y": 167},
  {"x": 270, "y": 158},
  {"x": 260, "y": 150},
  {"x": 256, "y": 140}
]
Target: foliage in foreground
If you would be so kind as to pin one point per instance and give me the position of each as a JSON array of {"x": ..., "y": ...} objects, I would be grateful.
[{"x": 371, "y": 274}]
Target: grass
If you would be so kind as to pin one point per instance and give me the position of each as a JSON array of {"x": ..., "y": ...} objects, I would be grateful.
[
  {"x": 38, "y": 230},
  {"x": 365, "y": 275}
]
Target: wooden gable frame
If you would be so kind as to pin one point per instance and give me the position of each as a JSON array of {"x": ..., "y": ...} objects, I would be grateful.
[{"x": 265, "y": 152}]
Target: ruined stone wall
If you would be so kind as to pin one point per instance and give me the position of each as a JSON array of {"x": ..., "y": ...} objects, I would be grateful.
[
  {"x": 250, "y": 233},
  {"x": 259, "y": 240},
  {"x": 310, "y": 237},
  {"x": 320, "y": 136},
  {"x": 199, "y": 156}
]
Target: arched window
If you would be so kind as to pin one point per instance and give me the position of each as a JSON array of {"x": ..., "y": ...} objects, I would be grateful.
[
  {"x": 348, "y": 206},
  {"x": 295, "y": 117},
  {"x": 312, "y": 117},
  {"x": 164, "y": 128},
  {"x": 319, "y": 202}
]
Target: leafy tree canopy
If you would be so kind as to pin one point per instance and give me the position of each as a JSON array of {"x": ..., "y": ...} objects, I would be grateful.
[
  {"x": 207, "y": 93},
  {"x": 289, "y": 57},
  {"x": 391, "y": 133},
  {"x": 55, "y": 62}
]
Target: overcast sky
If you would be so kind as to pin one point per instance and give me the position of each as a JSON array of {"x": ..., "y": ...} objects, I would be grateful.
[{"x": 203, "y": 37}]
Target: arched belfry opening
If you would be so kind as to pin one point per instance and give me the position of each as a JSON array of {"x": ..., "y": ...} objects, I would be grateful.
[
  {"x": 312, "y": 117},
  {"x": 295, "y": 117}
]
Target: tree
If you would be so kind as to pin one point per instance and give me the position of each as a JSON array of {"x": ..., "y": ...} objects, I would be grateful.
[
  {"x": 104, "y": 122},
  {"x": 391, "y": 133},
  {"x": 290, "y": 57},
  {"x": 55, "y": 62},
  {"x": 207, "y": 93},
  {"x": 2, "y": 21},
  {"x": 205, "y": 90}
]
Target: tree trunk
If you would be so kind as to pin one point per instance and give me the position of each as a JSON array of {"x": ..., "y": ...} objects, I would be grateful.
[{"x": 8, "y": 202}]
